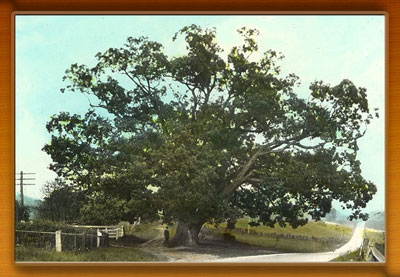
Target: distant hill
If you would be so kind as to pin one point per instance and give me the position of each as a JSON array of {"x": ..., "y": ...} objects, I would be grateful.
[
  {"x": 336, "y": 215},
  {"x": 28, "y": 201},
  {"x": 376, "y": 221},
  {"x": 376, "y": 218}
]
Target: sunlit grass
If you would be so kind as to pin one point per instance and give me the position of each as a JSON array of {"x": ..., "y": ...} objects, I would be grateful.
[
  {"x": 317, "y": 229},
  {"x": 340, "y": 234},
  {"x": 150, "y": 230},
  {"x": 376, "y": 239}
]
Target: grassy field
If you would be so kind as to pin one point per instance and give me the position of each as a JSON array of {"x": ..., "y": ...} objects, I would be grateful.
[
  {"x": 109, "y": 254},
  {"x": 341, "y": 235},
  {"x": 145, "y": 231},
  {"x": 148, "y": 231},
  {"x": 376, "y": 239},
  {"x": 318, "y": 229}
]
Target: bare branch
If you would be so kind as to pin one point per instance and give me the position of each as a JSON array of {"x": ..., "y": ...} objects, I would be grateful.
[
  {"x": 289, "y": 142},
  {"x": 97, "y": 106},
  {"x": 137, "y": 83},
  {"x": 309, "y": 147}
]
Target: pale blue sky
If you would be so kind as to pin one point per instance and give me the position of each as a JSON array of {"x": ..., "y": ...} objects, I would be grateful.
[{"x": 328, "y": 48}]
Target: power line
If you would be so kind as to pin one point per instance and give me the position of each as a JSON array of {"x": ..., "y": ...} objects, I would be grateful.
[{"x": 22, "y": 184}]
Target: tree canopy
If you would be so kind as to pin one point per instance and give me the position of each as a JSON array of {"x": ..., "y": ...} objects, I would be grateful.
[{"x": 210, "y": 136}]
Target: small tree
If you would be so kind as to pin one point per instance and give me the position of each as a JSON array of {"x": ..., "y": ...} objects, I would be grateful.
[
  {"x": 21, "y": 212},
  {"x": 207, "y": 137},
  {"x": 61, "y": 202}
]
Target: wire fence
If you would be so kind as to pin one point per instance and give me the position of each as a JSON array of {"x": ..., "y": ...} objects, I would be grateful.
[
  {"x": 286, "y": 236},
  {"x": 45, "y": 240},
  {"x": 66, "y": 242}
]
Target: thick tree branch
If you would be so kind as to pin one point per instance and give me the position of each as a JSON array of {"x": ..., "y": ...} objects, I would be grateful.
[
  {"x": 245, "y": 172},
  {"x": 97, "y": 106},
  {"x": 209, "y": 90},
  {"x": 309, "y": 147},
  {"x": 288, "y": 142},
  {"x": 135, "y": 82},
  {"x": 242, "y": 175}
]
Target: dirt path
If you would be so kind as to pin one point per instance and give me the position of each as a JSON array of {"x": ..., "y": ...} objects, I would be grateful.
[
  {"x": 214, "y": 249},
  {"x": 205, "y": 251},
  {"x": 209, "y": 249}
]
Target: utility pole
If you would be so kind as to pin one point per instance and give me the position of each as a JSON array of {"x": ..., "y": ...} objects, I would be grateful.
[{"x": 21, "y": 180}]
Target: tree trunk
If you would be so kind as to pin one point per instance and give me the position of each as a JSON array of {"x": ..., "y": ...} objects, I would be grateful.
[
  {"x": 231, "y": 224},
  {"x": 194, "y": 230},
  {"x": 187, "y": 234}
]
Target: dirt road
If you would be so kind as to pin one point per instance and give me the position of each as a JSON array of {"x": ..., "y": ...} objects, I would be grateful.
[
  {"x": 213, "y": 250},
  {"x": 354, "y": 243}
]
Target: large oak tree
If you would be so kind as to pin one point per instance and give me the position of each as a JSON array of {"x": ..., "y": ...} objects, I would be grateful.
[{"x": 210, "y": 136}]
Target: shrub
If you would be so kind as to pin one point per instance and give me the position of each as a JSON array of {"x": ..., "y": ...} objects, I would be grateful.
[
  {"x": 50, "y": 226},
  {"x": 228, "y": 236}
]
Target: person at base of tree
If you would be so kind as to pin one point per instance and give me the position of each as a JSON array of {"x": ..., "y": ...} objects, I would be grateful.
[{"x": 166, "y": 235}]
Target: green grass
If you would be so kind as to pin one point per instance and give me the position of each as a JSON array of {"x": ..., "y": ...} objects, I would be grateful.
[
  {"x": 146, "y": 231},
  {"x": 349, "y": 257},
  {"x": 341, "y": 235},
  {"x": 376, "y": 239},
  {"x": 103, "y": 254},
  {"x": 318, "y": 229},
  {"x": 285, "y": 244}
]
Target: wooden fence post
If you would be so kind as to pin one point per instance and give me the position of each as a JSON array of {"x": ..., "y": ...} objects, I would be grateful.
[
  {"x": 84, "y": 241},
  {"x": 58, "y": 241},
  {"x": 98, "y": 238}
]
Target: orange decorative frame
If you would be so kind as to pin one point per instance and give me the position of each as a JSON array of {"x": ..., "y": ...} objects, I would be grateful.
[{"x": 7, "y": 265}]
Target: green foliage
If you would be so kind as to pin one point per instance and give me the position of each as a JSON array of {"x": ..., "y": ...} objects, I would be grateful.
[
  {"x": 228, "y": 236},
  {"x": 207, "y": 136},
  {"x": 21, "y": 212},
  {"x": 61, "y": 202},
  {"x": 102, "y": 211}
]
